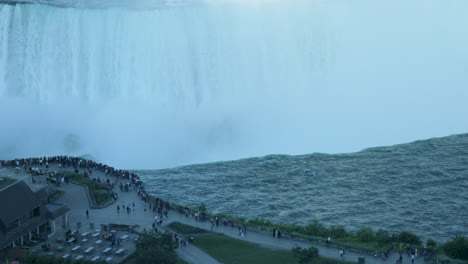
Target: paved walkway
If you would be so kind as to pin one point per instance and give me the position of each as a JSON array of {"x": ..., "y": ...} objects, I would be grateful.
[{"x": 76, "y": 200}]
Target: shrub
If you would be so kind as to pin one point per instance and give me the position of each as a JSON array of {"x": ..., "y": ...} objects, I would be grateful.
[
  {"x": 100, "y": 195},
  {"x": 305, "y": 255},
  {"x": 431, "y": 243},
  {"x": 408, "y": 238},
  {"x": 400, "y": 248},
  {"x": 201, "y": 208},
  {"x": 382, "y": 237},
  {"x": 155, "y": 248},
  {"x": 99, "y": 191},
  {"x": 258, "y": 221},
  {"x": 45, "y": 260},
  {"x": 316, "y": 229},
  {"x": 338, "y": 232},
  {"x": 457, "y": 248},
  {"x": 365, "y": 234},
  {"x": 31, "y": 259}
]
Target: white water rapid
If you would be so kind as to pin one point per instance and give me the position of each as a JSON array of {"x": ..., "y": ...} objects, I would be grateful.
[{"x": 166, "y": 83}]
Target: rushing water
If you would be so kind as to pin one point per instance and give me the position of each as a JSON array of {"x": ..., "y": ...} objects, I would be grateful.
[
  {"x": 420, "y": 187},
  {"x": 184, "y": 82}
]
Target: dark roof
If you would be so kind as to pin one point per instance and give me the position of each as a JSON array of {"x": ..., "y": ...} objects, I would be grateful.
[
  {"x": 56, "y": 210},
  {"x": 16, "y": 200},
  {"x": 4, "y": 182},
  {"x": 41, "y": 194}
]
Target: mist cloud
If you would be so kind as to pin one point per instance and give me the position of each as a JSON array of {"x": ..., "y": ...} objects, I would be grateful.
[{"x": 165, "y": 87}]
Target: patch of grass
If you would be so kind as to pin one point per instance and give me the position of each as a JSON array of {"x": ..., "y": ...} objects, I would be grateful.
[
  {"x": 99, "y": 192},
  {"x": 234, "y": 251},
  {"x": 186, "y": 229}
]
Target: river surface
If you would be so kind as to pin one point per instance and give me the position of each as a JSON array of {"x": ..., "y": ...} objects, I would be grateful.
[{"x": 421, "y": 187}]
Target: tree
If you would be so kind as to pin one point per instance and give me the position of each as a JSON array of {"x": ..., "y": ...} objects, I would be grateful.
[
  {"x": 305, "y": 255},
  {"x": 338, "y": 232},
  {"x": 457, "y": 248},
  {"x": 202, "y": 207},
  {"x": 382, "y": 237},
  {"x": 31, "y": 259},
  {"x": 408, "y": 238},
  {"x": 400, "y": 248},
  {"x": 156, "y": 248},
  {"x": 316, "y": 229},
  {"x": 365, "y": 234},
  {"x": 430, "y": 243}
]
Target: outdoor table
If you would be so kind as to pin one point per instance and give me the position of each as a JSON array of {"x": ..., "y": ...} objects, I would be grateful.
[
  {"x": 79, "y": 257},
  {"x": 120, "y": 252},
  {"x": 60, "y": 248},
  {"x": 89, "y": 250},
  {"x": 124, "y": 237},
  {"x": 96, "y": 258},
  {"x": 98, "y": 243},
  {"x": 107, "y": 251},
  {"x": 108, "y": 260},
  {"x": 85, "y": 234},
  {"x": 71, "y": 240},
  {"x": 95, "y": 235},
  {"x": 66, "y": 256},
  {"x": 76, "y": 249}
]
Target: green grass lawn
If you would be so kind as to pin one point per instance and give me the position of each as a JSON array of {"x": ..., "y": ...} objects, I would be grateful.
[
  {"x": 100, "y": 192},
  {"x": 233, "y": 251},
  {"x": 181, "y": 261}
]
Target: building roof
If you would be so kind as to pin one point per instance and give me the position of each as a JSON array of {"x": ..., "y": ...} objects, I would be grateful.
[
  {"x": 21, "y": 175},
  {"x": 17, "y": 199},
  {"x": 4, "y": 182},
  {"x": 56, "y": 210}
]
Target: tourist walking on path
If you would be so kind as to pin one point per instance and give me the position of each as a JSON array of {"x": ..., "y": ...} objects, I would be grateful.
[{"x": 87, "y": 213}]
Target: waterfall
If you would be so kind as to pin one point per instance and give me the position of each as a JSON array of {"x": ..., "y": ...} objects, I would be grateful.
[{"x": 178, "y": 84}]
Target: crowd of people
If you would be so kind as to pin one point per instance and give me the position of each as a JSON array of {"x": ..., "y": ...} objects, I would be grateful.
[{"x": 86, "y": 167}]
